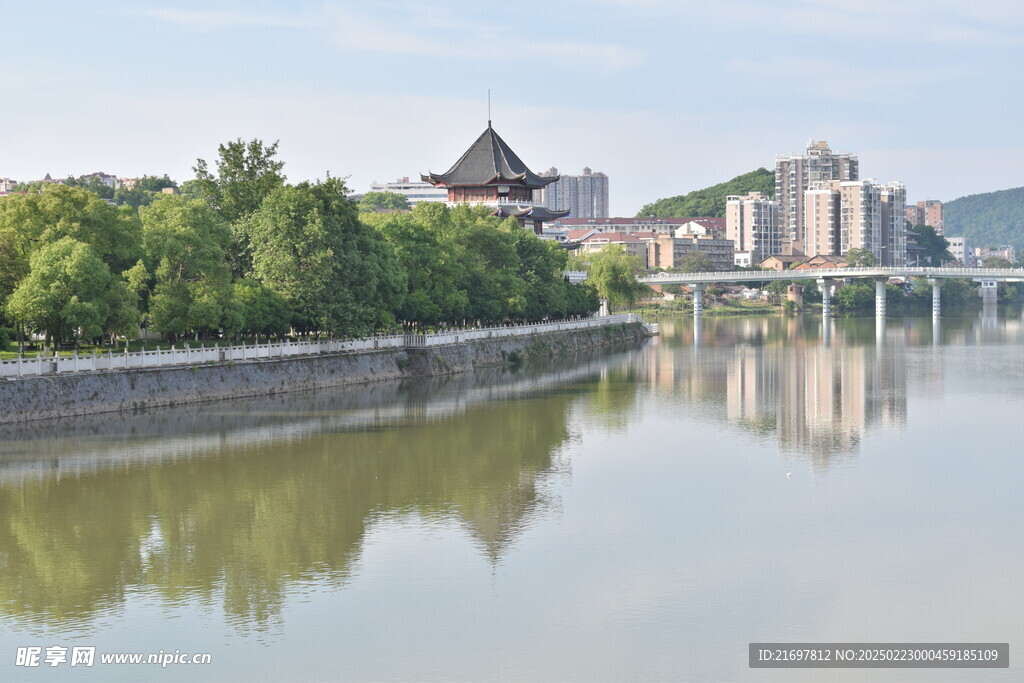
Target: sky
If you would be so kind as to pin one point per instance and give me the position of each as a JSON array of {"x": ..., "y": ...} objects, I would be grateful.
[{"x": 663, "y": 96}]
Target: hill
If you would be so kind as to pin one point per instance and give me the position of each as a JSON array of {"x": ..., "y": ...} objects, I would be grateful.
[
  {"x": 711, "y": 200},
  {"x": 987, "y": 219}
]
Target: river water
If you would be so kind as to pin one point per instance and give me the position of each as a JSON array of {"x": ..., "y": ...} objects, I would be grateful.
[{"x": 638, "y": 514}]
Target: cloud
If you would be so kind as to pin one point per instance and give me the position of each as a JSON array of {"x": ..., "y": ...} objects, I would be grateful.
[
  {"x": 214, "y": 19},
  {"x": 413, "y": 32},
  {"x": 844, "y": 82}
]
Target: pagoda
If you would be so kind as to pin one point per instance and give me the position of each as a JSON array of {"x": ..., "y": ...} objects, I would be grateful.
[{"x": 491, "y": 174}]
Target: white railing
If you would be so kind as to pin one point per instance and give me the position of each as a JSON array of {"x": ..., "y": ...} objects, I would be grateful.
[
  {"x": 131, "y": 360},
  {"x": 833, "y": 273}
]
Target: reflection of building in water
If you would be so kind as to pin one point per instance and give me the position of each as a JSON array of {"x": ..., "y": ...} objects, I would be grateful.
[{"x": 818, "y": 400}]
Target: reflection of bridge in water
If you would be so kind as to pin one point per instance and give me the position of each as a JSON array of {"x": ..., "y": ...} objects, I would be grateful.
[{"x": 817, "y": 390}]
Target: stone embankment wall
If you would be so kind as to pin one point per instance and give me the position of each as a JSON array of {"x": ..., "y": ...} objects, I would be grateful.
[{"x": 68, "y": 395}]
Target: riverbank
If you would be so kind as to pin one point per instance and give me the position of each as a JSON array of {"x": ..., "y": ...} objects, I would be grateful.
[{"x": 75, "y": 394}]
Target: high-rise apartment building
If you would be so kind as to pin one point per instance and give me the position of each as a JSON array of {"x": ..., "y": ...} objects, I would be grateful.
[
  {"x": 795, "y": 174},
  {"x": 863, "y": 214},
  {"x": 928, "y": 212},
  {"x": 585, "y": 196},
  {"x": 751, "y": 222}
]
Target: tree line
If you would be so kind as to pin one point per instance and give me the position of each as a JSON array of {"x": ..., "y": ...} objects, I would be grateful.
[{"x": 242, "y": 252}]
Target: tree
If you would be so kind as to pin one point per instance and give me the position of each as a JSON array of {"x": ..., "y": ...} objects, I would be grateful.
[
  {"x": 185, "y": 243},
  {"x": 152, "y": 183},
  {"x": 70, "y": 292},
  {"x": 998, "y": 262},
  {"x": 264, "y": 310},
  {"x": 857, "y": 296},
  {"x": 860, "y": 258},
  {"x": 383, "y": 201},
  {"x": 337, "y": 274},
  {"x": 935, "y": 246},
  {"x": 423, "y": 244},
  {"x": 113, "y": 233},
  {"x": 710, "y": 201},
  {"x": 246, "y": 174},
  {"x": 92, "y": 184},
  {"x": 694, "y": 262},
  {"x": 613, "y": 273}
]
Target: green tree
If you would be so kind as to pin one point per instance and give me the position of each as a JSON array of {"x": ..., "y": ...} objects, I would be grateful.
[
  {"x": 264, "y": 310},
  {"x": 246, "y": 174},
  {"x": 860, "y": 258},
  {"x": 613, "y": 273},
  {"x": 185, "y": 244},
  {"x": 857, "y": 296},
  {"x": 935, "y": 246},
  {"x": 92, "y": 184},
  {"x": 710, "y": 201},
  {"x": 337, "y": 274},
  {"x": 429, "y": 255},
  {"x": 37, "y": 219},
  {"x": 152, "y": 183},
  {"x": 383, "y": 201},
  {"x": 998, "y": 262},
  {"x": 70, "y": 292},
  {"x": 694, "y": 262}
]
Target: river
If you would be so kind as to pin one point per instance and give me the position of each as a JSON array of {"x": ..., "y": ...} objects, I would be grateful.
[{"x": 638, "y": 514}]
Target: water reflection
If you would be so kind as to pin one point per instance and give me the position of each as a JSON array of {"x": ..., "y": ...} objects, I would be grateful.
[
  {"x": 235, "y": 507},
  {"x": 236, "y": 502},
  {"x": 817, "y": 388}
]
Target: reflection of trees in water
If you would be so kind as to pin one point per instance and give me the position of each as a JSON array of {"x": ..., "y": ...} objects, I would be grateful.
[{"x": 256, "y": 517}]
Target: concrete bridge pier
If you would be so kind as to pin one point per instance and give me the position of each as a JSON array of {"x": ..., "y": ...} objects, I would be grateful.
[
  {"x": 936, "y": 331},
  {"x": 936, "y": 284},
  {"x": 989, "y": 291},
  {"x": 880, "y": 297},
  {"x": 826, "y": 298},
  {"x": 698, "y": 299}
]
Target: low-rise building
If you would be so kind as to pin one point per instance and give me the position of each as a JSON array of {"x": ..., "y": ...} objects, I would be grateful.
[
  {"x": 961, "y": 250},
  {"x": 668, "y": 251},
  {"x": 660, "y": 226},
  {"x": 632, "y": 244},
  {"x": 414, "y": 191},
  {"x": 1006, "y": 251}
]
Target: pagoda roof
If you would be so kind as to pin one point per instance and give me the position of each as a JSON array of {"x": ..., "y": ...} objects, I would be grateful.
[
  {"x": 537, "y": 213},
  {"x": 489, "y": 161}
]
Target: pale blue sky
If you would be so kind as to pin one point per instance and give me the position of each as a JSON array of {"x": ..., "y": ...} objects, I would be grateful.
[{"x": 665, "y": 97}]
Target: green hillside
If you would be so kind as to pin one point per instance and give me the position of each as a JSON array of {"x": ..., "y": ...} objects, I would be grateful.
[
  {"x": 987, "y": 219},
  {"x": 711, "y": 200}
]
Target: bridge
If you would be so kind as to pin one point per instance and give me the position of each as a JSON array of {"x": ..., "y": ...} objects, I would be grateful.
[{"x": 827, "y": 277}]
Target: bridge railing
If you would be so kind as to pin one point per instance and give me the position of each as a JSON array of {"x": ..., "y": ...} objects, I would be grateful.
[
  {"x": 833, "y": 273},
  {"x": 188, "y": 355}
]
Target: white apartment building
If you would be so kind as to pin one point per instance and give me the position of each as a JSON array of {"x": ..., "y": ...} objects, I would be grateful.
[
  {"x": 414, "y": 191},
  {"x": 751, "y": 222}
]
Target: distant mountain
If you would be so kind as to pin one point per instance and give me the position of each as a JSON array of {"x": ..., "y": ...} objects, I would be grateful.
[
  {"x": 987, "y": 219},
  {"x": 711, "y": 200}
]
